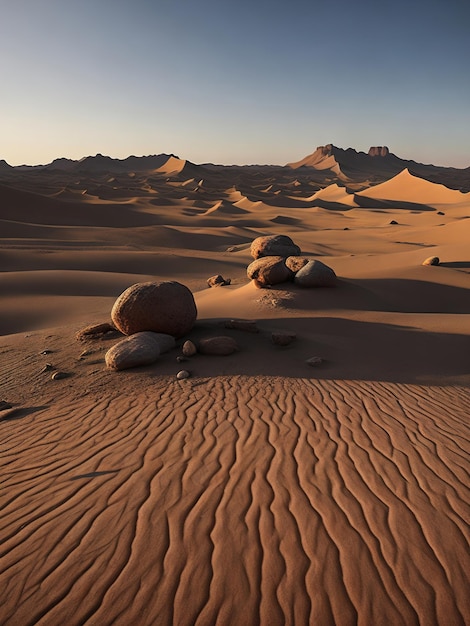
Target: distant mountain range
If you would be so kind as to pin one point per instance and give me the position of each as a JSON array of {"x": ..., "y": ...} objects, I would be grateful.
[
  {"x": 377, "y": 164},
  {"x": 326, "y": 164}
]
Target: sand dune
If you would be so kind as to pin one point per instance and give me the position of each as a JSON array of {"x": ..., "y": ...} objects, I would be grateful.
[
  {"x": 260, "y": 490},
  {"x": 405, "y": 187}
]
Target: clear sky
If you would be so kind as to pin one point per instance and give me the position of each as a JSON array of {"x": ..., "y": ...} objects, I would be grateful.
[{"x": 234, "y": 81}]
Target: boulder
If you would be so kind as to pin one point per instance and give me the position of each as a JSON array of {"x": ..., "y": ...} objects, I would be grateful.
[
  {"x": 273, "y": 245},
  {"x": 315, "y": 274},
  {"x": 218, "y": 346},
  {"x": 269, "y": 270},
  {"x": 432, "y": 260},
  {"x": 138, "y": 349},
  {"x": 296, "y": 263},
  {"x": 166, "y": 307}
]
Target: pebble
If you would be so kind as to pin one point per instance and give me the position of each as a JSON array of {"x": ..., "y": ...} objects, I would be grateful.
[
  {"x": 248, "y": 326},
  {"x": 314, "y": 361},
  {"x": 4, "y": 405},
  {"x": 182, "y": 359},
  {"x": 182, "y": 374},
  {"x": 46, "y": 352},
  {"x": 218, "y": 346},
  {"x": 189, "y": 349},
  {"x": 47, "y": 368},
  {"x": 59, "y": 375},
  {"x": 283, "y": 339}
]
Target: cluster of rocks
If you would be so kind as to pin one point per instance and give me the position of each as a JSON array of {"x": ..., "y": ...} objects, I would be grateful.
[
  {"x": 154, "y": 315},
  {"x": 277, "y": 259}
]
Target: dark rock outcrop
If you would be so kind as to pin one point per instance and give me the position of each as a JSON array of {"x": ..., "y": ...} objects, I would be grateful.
[{"x": 380, "y": 151}]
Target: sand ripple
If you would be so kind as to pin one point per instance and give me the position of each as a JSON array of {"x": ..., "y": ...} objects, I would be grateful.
[{"x": 239, "y": 501}]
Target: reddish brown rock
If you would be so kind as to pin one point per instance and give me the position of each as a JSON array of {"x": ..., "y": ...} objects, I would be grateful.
[
  {"x": 296, "y": 263},
  {"x": 95, "y": 331},
  {"x": 315, "y": 274},
  {"x": 166, "y": 307},
  {"x": 134, "y": 351},
  {"x": 270, "y": 270},
  {"x": 218, "y": 346},
  {"x": 218, "y": 281},
  {"x": 273, "y": 245}
]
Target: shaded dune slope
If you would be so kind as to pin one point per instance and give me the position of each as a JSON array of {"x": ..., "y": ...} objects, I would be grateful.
[{"x": 235, "y": 500}]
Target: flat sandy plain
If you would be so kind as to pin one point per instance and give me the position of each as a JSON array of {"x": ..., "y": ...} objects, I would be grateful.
[{"x": 260, "y": 490}]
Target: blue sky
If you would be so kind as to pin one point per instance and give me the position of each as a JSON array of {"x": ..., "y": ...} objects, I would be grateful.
[{"x": 253, "y": 81}]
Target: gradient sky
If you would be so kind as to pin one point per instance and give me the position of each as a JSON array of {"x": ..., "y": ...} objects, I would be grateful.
[{"x": 225, "y": 81}]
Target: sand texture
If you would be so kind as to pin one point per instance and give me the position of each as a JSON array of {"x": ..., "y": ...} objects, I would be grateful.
[{"x": 261, "y": 489}]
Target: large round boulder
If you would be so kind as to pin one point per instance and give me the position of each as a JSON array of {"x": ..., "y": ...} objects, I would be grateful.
[
  {"x": 166, "y": 307},
  {"x": 273, "y": 245},
  {"x": 315, "y": 274},
  {"x": 269, "y": 270}
]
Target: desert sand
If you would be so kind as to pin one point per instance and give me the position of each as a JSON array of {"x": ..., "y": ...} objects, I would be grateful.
[{"x": 260, "y": 490}]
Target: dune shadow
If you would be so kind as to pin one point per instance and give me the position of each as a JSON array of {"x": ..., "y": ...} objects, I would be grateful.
[
  {"x": 349, "y": 350},
  {"x": 365, "y": 202},
  {"x": 399, "y": 295},
  {"x": 94, "y": 474},
  {"x": 456, "y": 264},
  {"x": 17, "y": 413}
]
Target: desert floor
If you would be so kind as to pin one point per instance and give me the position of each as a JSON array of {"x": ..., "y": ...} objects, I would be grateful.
[{"x": 260, "y": 490}]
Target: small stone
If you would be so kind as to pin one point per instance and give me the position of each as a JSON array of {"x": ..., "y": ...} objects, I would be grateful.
[
  {"x": 432, "y": 260},
  {"x": 182, "y": 374},
  {"x": 189, "y": 348},
  {"x": 393, "y": 222},
  {"x": 59, "y": 375},
  {"x": 47, "y": 368},
  {"x": 44, "y": 352},
  {"x": 283, "y": 339},
  {"x": 4, "y": 405},
  {"x": 182, "y": 359},
  {"x": 314, "y": 361},
  {"x": 95, "y": 331},
  {"x": 440, "y": 213},
  {"x": 218, "y": 281},
  {"x": 218, "y": 346},
  {"x": 248, "y": 326}
]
